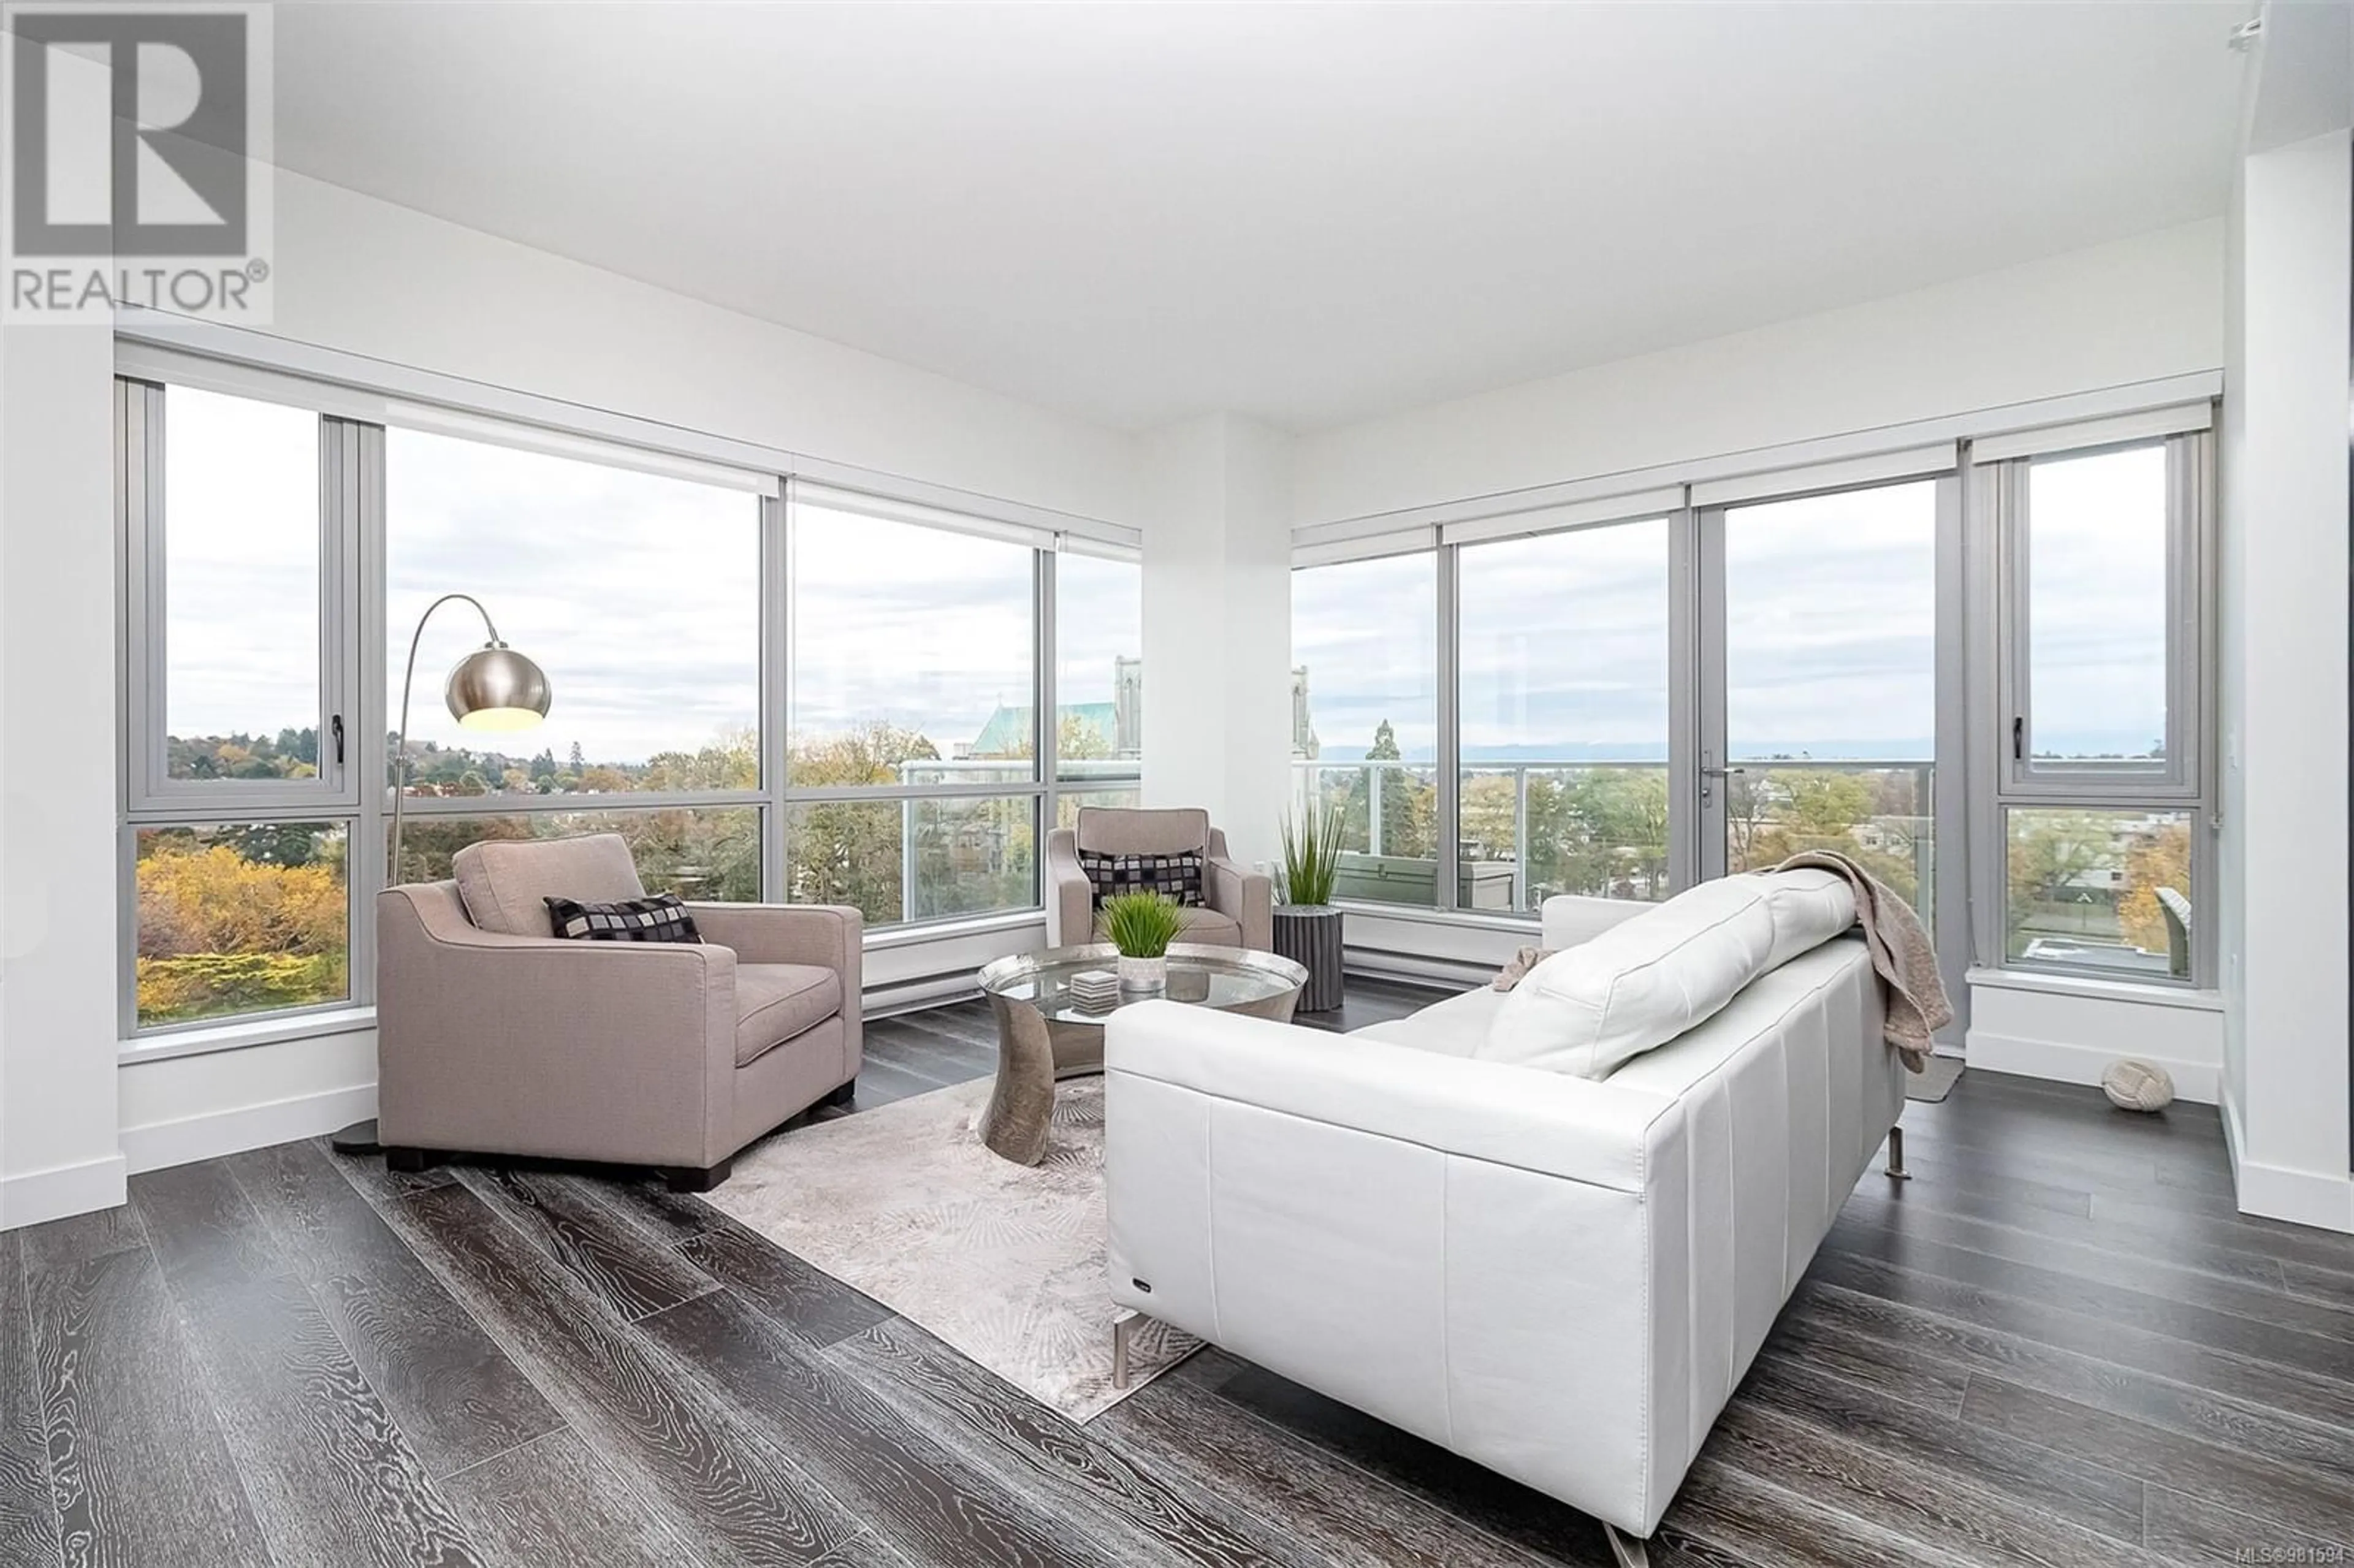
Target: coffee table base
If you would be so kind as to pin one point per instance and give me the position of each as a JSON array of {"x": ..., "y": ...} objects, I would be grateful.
[{"x": 1032, "y": 1053}]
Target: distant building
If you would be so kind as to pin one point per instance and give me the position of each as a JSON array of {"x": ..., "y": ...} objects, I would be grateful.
[
  {"x": 1117, "y": 724},
  {"x": 1128, "y": 706}
]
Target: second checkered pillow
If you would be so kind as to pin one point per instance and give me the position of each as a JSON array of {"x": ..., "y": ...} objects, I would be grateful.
[{"x": 1177, "y": 875}]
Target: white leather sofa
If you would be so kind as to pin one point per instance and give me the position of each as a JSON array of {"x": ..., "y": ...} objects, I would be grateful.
[{"x": 1563, "y": 1279}]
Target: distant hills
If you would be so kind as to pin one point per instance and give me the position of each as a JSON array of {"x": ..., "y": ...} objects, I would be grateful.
[{"x": 1915, "y": 748}]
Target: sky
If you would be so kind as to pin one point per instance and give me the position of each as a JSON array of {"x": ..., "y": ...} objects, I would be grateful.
[
  {"x": 638, "y": 595},
  {"x": 1830, "y": 629}
]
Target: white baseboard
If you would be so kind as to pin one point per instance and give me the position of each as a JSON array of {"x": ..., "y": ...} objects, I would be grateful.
[
  {"x": 2300, "y": 1197},
  {"x": 1379, "y": 964},
  {"x": 914, "y": 995},
  {"x": 2067, "y": 1063},
  {"x": 2276, "y": 1193},
  {"x": 164, "y": 1143},
  {"x": 30, "y": 1197},
  {"x": 2235, "y": 1132}
]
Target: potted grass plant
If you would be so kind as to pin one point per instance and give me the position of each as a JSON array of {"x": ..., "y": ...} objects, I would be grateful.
[
  {"x": 1306, "y": 926},
  {"x": 1142, "y": 926}
]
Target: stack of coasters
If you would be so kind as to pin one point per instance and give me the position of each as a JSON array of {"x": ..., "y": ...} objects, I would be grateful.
[{"x": 1095, "y": 990}]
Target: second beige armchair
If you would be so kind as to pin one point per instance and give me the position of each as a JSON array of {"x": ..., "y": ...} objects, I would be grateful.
[{"x": 1237, "y": 907}]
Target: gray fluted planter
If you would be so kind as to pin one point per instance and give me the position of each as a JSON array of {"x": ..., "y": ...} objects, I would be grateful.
[{"x": 1310, "y": 936}]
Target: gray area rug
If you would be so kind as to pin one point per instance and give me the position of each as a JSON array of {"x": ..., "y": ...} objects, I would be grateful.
[
  {"x": 1936, "y": 1081},
  {"x": 1003, "y": 1261}
]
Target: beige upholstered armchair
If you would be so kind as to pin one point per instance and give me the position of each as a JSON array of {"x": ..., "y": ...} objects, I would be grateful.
[
  {"x": 1237, "y": 904},
  {"x": 495, "y": 1036}
]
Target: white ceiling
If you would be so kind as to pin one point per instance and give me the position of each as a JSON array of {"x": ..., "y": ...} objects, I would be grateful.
[{"x": 1308, "y": 214}]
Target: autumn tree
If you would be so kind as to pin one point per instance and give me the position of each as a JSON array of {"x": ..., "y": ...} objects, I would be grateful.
[
  {"x": 2161, "y": 859},
  {"x": 222, "y": 933}
]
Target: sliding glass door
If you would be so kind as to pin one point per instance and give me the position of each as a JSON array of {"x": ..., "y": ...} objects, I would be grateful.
[
  {"x": 1824, "y": 703},
  {"x": 1820, "y": 716},
  {"x": 1564, "y": 715}
]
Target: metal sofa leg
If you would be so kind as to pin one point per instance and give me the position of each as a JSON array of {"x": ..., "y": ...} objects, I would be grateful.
[
  {"x": 1121, "y": 1329},
  {"x": 1628, "y": 1551},
  {"x": 1896, "y": 1171}
]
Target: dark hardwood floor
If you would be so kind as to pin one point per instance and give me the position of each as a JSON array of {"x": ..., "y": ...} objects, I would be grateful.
[{"x": 2059, "y": 1344}]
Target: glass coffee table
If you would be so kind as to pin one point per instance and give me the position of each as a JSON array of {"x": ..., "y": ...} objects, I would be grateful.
[{"x": 1043, "y": 1034}]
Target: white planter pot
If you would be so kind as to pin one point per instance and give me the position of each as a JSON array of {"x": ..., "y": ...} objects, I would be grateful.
[{"x": 1142, "y": 974}]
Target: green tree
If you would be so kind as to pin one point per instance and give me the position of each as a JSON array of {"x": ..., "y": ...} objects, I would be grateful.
[
  {"x": 2054, "y": 889},
  {"x": 850, "y": 851},
  {"x": 1407, "y": 820}
]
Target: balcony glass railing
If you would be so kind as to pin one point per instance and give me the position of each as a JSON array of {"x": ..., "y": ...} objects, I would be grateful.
[
  {"x": 1531, "y": 830},
  {"x": 1879, "y": 813}
]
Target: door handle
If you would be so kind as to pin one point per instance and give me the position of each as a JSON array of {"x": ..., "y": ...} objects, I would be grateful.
[{"x": 1720, "y": 772}]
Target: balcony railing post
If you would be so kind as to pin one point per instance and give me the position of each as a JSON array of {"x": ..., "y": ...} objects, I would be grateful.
[
  {"x": 1522, "y": 886},
  {"x": 1924, "y": 845},
  {"x": 1373, "y": 809},
  {"x": 907, "y": 861}
]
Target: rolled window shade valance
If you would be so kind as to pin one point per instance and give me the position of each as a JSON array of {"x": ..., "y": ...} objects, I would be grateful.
[
  {"x": 864, "y": 503},
  {"x": 2151, "y": 424},
  {"x": 1877, "y": 468},
  {"x": 1370, "y": 546},
  {"x": 1652, "y": 502}
]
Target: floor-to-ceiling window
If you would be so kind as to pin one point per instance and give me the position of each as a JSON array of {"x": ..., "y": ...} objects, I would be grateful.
[
  {"x": 2103, "y": 838},
  {"x": 241, "y": 802},
  {"x": 1099, "y": 680},
  {"x": 1996, "y": 646},
  {"x": 1830, "y": 681},
  {"x": 640, "y": 595},
  {"x": 913, "y": 737},
  {"x": 1364, "y": 723},
  {"x": 1563, "y": 716}
]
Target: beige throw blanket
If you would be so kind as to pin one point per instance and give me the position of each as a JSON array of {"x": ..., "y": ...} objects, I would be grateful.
[{"x": 1901, "y": 954}]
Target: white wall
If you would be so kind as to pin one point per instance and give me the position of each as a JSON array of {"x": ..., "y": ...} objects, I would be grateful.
[
  {"x": 2285, "y": 940},
  {"x": 365, "y": 278},
  {"x": 369, "y": 278},
  {"x": 2135, "y": 311},
  {"x": 57, "y": 787},
  {"x": 2073, "y": 1034},
  {"x": 1218, "y": 625}
]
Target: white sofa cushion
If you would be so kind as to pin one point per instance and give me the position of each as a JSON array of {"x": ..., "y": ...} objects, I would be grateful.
[
  {"x": 1639, "y": 984},
  {"x": 1451, "y": 1028}
]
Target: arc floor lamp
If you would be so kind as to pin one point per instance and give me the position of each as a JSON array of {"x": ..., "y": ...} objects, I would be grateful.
[{"x": 493, "y": 689}]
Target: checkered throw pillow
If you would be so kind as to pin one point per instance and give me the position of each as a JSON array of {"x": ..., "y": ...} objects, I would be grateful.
[
  {"x": 1178, "y": 876},
  {"x": 661, "y": 919}
]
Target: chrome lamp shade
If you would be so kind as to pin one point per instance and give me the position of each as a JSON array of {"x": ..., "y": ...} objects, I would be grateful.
[{"x": 496, "y": 688}]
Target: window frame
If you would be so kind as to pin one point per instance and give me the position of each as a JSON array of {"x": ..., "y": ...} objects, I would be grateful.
[
  {"x": 1050, "y": 649},
  {"x": 1998, "y": 586},
  {"x": 1304, "y": 782},
  {"x": 1950, "y": 928},
  {"x": 143, "y": 431},
  {"x": 1678, "y": 528},
  {"x": 1038, "y": 789},
  {"x": 2187, "y": 703},
  {"x": 149, "y": 797}
]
